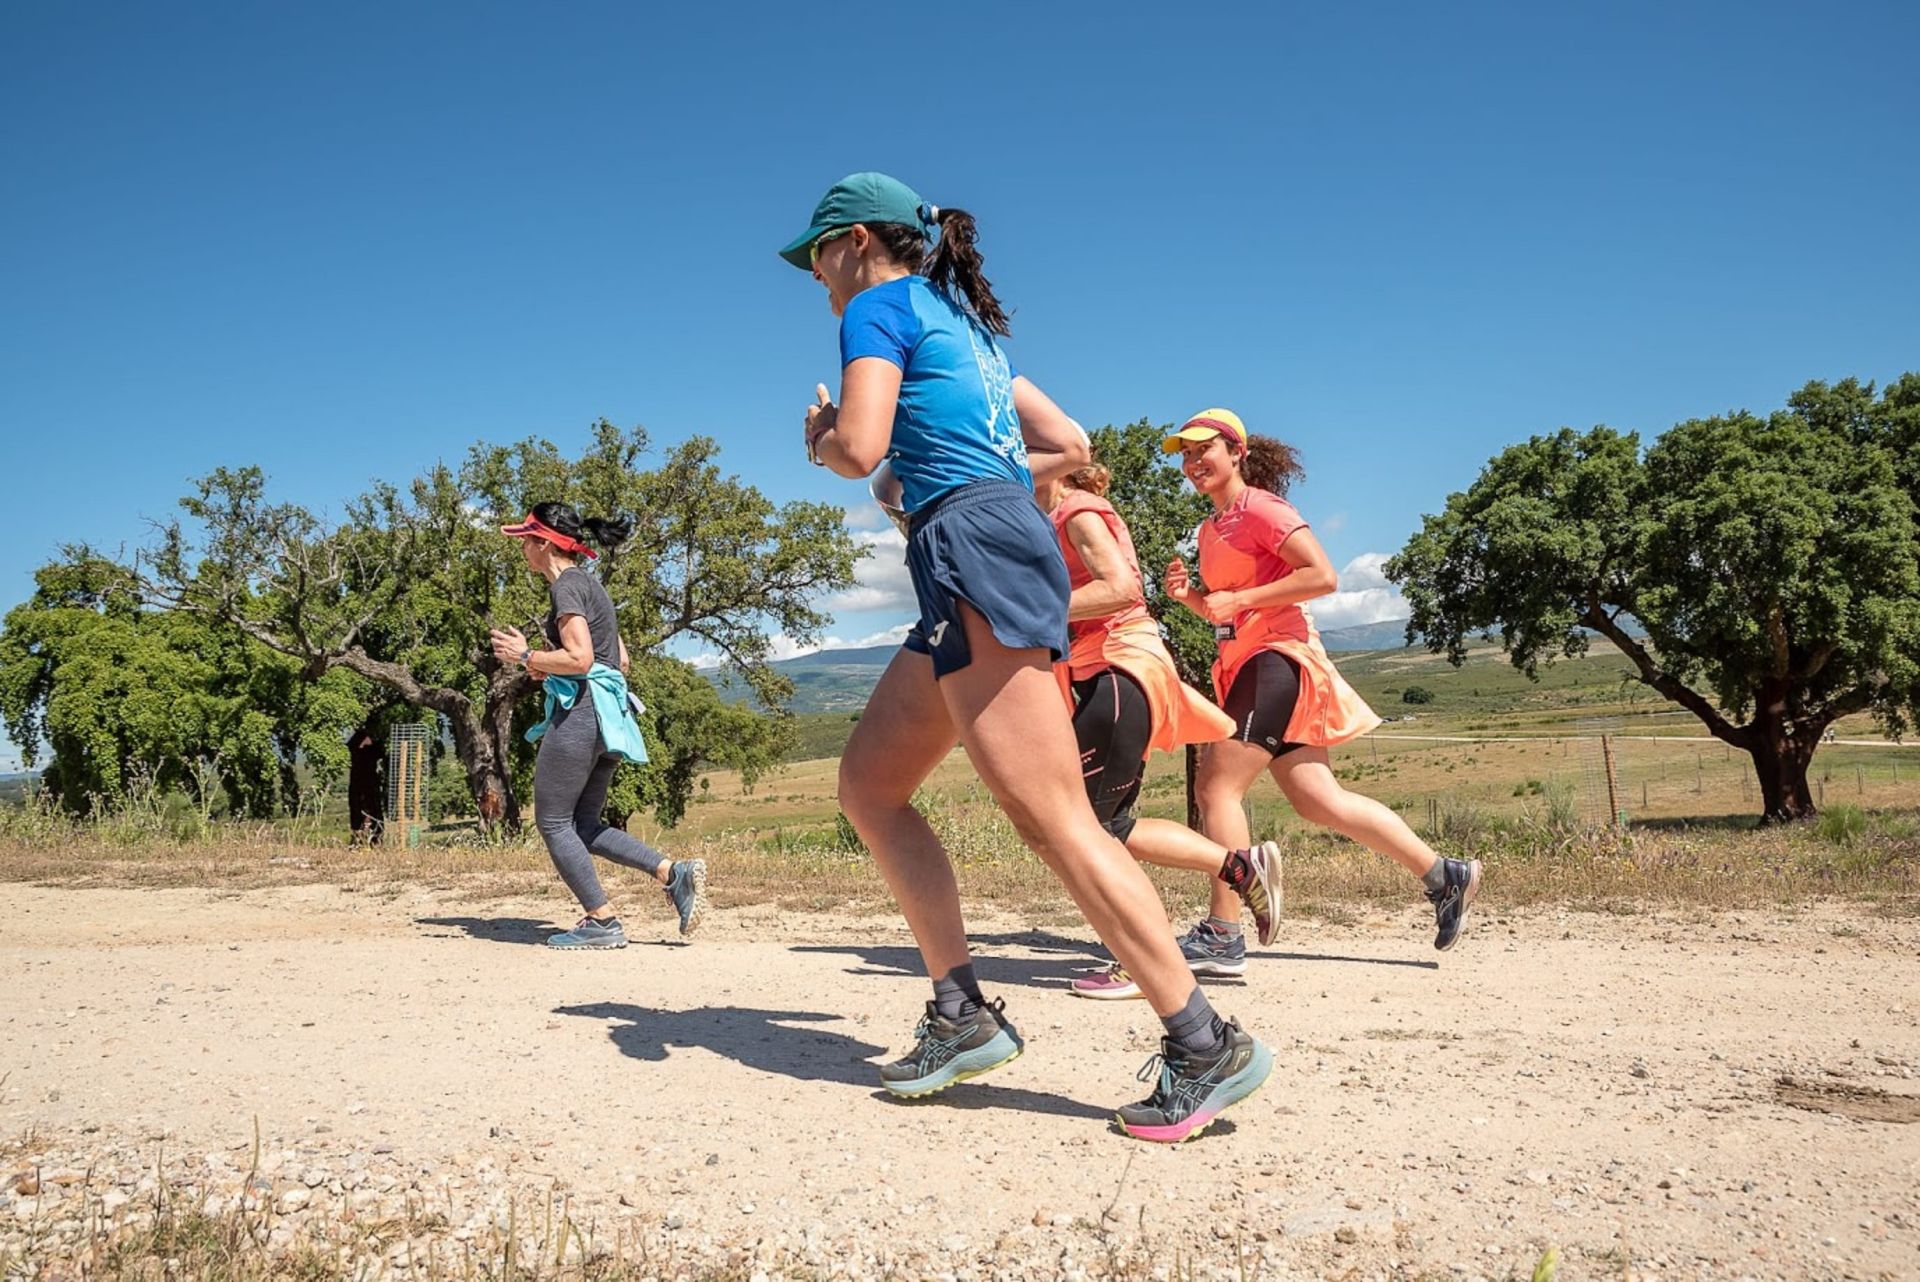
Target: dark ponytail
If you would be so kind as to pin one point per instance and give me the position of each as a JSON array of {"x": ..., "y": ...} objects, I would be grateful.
[
  {"x": 955, "y": 263},
  {"x": 1272, "y": 465},
  {"x": 606, "y": 532}
]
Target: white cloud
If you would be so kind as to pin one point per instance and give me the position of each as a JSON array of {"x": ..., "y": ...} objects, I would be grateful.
[
  {"x": 1332, "y": 524},
  {"x": 880, "y": 581},
  {"x": 1365, "y": 596},
  {"x": 781, "y": 646},
  {"x": 1368, "y": 570},
  {"x": 868, "y": 516}
]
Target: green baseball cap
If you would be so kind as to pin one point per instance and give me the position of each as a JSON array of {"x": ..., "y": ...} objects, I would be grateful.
[{"x": 857, "y": 198}]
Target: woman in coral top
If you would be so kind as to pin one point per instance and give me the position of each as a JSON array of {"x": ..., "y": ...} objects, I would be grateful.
[
  {"x": 1127, "y": 700},
  {"x": 1259, "y": 561}
]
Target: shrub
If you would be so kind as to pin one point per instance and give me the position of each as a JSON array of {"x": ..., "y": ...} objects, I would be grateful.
[{"x": 1843, "y": 825}]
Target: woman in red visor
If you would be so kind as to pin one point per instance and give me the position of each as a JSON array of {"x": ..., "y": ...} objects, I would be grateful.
[{"x": 589, "y": 728}]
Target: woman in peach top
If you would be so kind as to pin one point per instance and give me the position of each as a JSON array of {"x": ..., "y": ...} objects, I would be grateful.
[
  {"x": 1127, "y": 700},
  {"x": 1259, "y": 561}
]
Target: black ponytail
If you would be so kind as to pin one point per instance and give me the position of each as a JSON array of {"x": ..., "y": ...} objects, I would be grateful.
[
  {"x": 607, "y": 531},
  {"x": 954, "y": 265},
  {"x": 956, "y": 261}
]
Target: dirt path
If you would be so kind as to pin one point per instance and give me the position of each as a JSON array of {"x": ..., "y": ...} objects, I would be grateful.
[{"x": 1612, "y": 1085}]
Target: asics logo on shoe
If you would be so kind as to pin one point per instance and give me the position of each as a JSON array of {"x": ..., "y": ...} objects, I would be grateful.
[{"x": 934, "y": 1051}]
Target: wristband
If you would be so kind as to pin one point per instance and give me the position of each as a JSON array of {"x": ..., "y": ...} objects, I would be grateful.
[{"x": 525, "y": 655}]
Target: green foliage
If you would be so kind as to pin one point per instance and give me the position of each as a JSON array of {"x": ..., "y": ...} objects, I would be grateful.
[
  {"x": 1843, "y": 825},
  {"x": 817, "y": 735},
  {"x": 1163, "y": 514},
  {"x": 848, "y": 834},
  {"x": 1772, "y": 562},
  {"x": 403, "y": 591},
  {"x": 128, "y": 698},
  {"x": 1416, "y": 694}
]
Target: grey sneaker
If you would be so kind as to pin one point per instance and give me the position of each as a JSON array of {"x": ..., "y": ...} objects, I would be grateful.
[
  {"x": 1190, "y": 1092},
  {"x": 588, "y": 933},
  {"x": 687, "y": 888},
  {"x": 947, "y": 1051},
  {"x": 1450, "y": 902},
  {"x": 1208, "y": 952}
]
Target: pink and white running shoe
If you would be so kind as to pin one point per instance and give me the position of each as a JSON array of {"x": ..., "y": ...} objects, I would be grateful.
[{"x": 1110, "y": 985}]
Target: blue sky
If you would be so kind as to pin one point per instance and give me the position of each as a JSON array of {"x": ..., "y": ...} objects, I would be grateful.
[{"x": 343, "y": 241}]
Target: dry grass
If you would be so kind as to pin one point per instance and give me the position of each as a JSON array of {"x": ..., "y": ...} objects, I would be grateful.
[
  {"x": 165, "y": 1236},
  {"x": 808, "y": 859},
  {"x": 186, "y": 1229}
]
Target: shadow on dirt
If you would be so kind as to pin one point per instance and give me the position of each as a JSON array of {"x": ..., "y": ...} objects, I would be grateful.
[
  {"x": 1354, "y": 961},
  {"x": 497, "y": 930},
  {"x": 779, "y": 1042},
  {"x": 1068, "y": 958}
]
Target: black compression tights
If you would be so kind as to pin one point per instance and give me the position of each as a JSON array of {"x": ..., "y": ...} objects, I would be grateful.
[{"x": 1112, "y": 722}]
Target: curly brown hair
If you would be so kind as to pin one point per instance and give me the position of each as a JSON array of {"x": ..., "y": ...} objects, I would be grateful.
[{"x": 1269, "y": 464}]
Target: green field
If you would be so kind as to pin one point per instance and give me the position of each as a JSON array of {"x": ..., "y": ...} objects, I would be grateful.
[{"x": 1667, "y": 770}]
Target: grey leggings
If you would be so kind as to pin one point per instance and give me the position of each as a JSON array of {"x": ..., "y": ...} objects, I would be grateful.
[{"x": 570, "y": 778}]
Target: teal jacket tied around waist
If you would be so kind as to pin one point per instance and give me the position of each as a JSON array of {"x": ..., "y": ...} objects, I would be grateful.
[{"x": 619, "y": 729}]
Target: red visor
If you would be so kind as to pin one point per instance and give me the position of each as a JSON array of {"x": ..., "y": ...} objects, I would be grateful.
[
  {"x": 535, "y": 526},
  {"x": 1219, "y": 425}
]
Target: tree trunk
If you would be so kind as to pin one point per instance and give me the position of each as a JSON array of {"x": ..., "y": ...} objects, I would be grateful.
[
  {"x": 1193, "y": 794},
  {"x": 481, "y": 737},
  {"x": 484, "y": 751},
  {"x": 366, "y": 798},
  {"x": 1781, "y": 761}
]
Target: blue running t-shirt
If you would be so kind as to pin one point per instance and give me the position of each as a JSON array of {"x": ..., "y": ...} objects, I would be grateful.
[{"x": 954, "y": 422}]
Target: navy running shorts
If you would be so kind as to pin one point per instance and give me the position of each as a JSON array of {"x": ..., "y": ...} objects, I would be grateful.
[{"x": 987, "y": 544}]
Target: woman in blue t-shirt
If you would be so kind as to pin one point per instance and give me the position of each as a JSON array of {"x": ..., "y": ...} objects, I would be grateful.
[{"x": 926, "y": 388}]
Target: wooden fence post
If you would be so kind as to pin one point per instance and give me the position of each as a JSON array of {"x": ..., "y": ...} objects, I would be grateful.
[{"x": 1613, "y": 781}]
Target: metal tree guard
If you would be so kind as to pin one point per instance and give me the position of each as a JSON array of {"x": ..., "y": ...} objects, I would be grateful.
[
  {"x": 409, "y": 755},
  {"x": 1601, "y": 798}
]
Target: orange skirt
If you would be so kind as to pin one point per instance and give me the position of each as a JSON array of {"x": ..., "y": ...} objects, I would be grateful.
[
  {"x": 1181, "y": 714},
  {"x": 1329, "y": 710}
]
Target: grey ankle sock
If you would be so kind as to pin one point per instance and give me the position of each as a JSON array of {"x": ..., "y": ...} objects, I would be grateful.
[
  {"x": 1195, "y": 1028},
  {"x": 957, "y": 993},
  {"x": 1231, "y": 929},
  {"x": 1435, "y": 878}
]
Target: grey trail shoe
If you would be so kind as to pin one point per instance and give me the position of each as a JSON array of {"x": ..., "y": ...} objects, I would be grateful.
[
  {"x": 1451, "y": 901},
  {"x": 946, "y": 1051},
  {"x": 1208, "y": 952},
  {"x": 687, "y": 888},
  {"x": 588, "y": 933},
  {"x": 1191, "y": 1091}
]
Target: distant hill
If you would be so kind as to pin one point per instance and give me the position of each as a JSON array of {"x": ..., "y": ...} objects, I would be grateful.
[
  {"x": 15, "y": 787},
  {"x": 841, "y": 680},
  {"x": 825, "y": 681},
  {"x": 1390, "y": 635}
]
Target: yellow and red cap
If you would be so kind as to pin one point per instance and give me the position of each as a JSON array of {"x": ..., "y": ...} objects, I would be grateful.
[{"x": 1206, "y": 425}]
